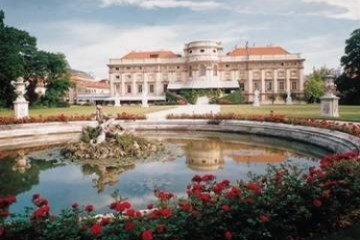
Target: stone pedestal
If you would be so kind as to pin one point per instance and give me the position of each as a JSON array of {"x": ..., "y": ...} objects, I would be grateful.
[
  {"x": 256, "y": 102},
  {"x": 329, "y": 102},
  {"x": 21, "y": 106},
  {"x": 289, "y": 99},
  {"x": 117, "y": 102},
  {"x": 329, "y": 106},
  {"x": 21, "y": 109}
]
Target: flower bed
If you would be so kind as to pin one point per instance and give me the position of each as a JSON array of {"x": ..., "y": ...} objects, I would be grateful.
[
  {"x": 350, "y": 128},
  {"x": 65, "y": 118},
  {"x": 285, "y": 203}
]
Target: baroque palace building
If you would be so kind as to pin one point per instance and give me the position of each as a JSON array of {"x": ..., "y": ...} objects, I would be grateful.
[{"x": 271, "y": 70}]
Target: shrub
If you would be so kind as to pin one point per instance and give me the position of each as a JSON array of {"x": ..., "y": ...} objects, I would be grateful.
[
  {"x": 284, "y": 203},
  {"x": 235, "y": 97},
  {"x": 350, "y": 128}
]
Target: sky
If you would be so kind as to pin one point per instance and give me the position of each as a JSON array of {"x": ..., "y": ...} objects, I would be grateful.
[{"x": 90, "y": 32}]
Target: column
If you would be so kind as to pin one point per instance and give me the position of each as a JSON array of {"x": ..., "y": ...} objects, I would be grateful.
[
  {"x": 233, "y": 75},
  {"x": 123, "y": 90},
  {"x": 287, "y": 80},
  {"x": 250, "y": 85},
  {"x": 134, "y": 89},
  {"x": 301, "y": 80},
  {"x": 262, "y": 96},
  {"x": 275, "y": 82},
  {"x": 111, "y": 85},
  {"x": 157, "y": 84}
]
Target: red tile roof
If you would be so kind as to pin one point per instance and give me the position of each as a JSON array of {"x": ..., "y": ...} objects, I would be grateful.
[
  {"x": 89, "y": 84},
  {"x": 258, "y": 51},
  {"x": 150, "y": 54}
]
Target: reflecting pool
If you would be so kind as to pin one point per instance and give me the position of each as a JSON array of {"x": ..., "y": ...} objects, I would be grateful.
[{"x": 229, "y": 156}]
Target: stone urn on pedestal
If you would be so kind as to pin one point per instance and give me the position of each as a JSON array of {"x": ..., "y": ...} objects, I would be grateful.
[
  {"x": 329, "y": 102},
  {"x": 21, "y": 106}
]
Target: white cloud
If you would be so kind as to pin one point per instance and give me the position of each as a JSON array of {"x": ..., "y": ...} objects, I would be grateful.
[
  {"x": 196, "y": 5},
  {"x": 89, "y": 45},
  {"x": 348, "y": 9},
  {"x": 318, "y": 51}
]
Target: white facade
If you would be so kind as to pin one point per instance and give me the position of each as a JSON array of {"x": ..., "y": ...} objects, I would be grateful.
[{"x": 271, "y": 70}]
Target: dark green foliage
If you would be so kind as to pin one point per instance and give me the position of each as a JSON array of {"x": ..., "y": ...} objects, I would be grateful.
[
  {"x": 19, "y": 57},
  {"x": 348, "y": 83},
  {"x": 236, "y": 97},
  {"x": 191, "y": 95},
  {"x": 89, "y": 133},
  {"x": 314, "y": 85}
]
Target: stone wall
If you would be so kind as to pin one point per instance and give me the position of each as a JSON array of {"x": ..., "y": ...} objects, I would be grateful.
[{"x": 30, "y": 135}]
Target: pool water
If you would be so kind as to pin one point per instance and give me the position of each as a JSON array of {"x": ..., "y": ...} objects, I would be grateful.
[{"x": 230, "y": 156}]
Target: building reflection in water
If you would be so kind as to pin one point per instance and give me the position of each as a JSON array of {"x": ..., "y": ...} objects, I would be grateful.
[{"x": 209, "y": 155}]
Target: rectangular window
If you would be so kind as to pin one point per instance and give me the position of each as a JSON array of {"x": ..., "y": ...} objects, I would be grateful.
[
  {"x": 151, "y": 88},
  {"x": 128, "y": 88},
  {"x": 256, "y": 86},
  {"x": 140, "y": 88},
  {"x": 268, "y": 86},
  {"x": 242, "y": 86},
  {"x": 293, "y": 85},
  {"x": 281, "y": 85},
  {"x": 165, "y": 86}
]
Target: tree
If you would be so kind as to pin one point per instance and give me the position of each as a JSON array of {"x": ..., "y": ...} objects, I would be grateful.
[
  {"x": 348, "y": 83},
  {"x": 314, "y": 85},
  {"x": 19, "y": 56}
]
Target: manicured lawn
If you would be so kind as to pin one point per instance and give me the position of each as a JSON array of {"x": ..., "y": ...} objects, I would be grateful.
[
  {"x": 348, "y": 113},
  {"x": 86, "y": 110}
]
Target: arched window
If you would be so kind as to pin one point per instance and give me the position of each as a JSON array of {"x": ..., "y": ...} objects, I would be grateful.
[
  {"x": 215, "y": 70},
  {"x": 202, "y": 70}
]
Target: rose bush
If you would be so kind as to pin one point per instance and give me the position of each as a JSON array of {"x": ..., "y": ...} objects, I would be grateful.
[
  {"x": 285, "y": 203},
  {"x": 351, "y": 128},
  {"x": 65, "y": 118}
]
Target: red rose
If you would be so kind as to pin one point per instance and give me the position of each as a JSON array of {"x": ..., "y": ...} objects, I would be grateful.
[
  {"x": 96, "y": 229},
  {"x": 35, "y": 196},
  {"x": 196, "y": 178},
  {"x": 150, "y": 206},
  {"x": 147, "y": 235},
  {"x": 43, "y": 211},
  {"x": 4, "y": 214},
  {"x": 186, "y": 207},
  {"x": 129, "y": 226},
  {"x": 254, "y": 187},
  {"x": 105, "y": 220},
  {"x": 228, "y": 235},
  {"x": 317, "y": 203},
  {"x": 2, "y": 231},
  {"x": 74, "y": 205},
  {"x": 225, "y": 208},
  {"x": 160, "y": 228},
  {"x": 264, "y": 218},
  {"x": 208, "y": 178},
  {"x": 89, "y": 208}
]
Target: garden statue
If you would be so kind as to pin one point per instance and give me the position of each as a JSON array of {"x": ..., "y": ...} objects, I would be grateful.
[
  {"x": 117, "y": 100},
  {"x": 21, "y": 106},
  {"x": 288, "y": 97},
  {"x": 329, "y": 102},
  {"x": 256, "y": 102}
]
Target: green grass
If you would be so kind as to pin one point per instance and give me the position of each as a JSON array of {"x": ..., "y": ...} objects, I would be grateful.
[
  {"x": 347, "y": 113},
  {"x": 86, "y": 110}
]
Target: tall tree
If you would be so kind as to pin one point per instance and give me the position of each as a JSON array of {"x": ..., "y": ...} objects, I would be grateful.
[
  {"x": 348, "y": 83},
  {"x": 19, "y": 56},
  {"x": 314, "y": 85}
]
